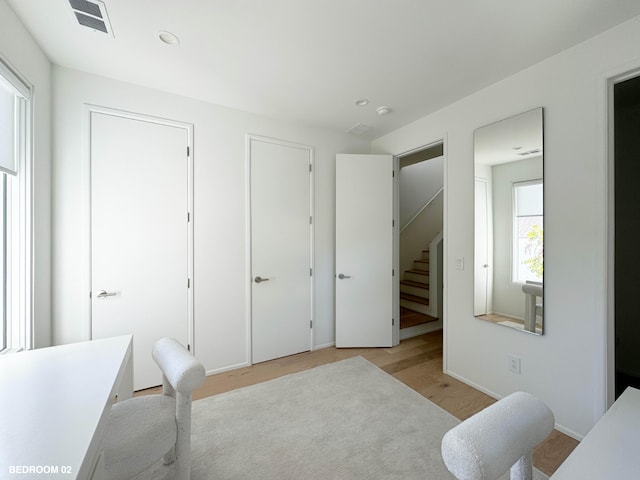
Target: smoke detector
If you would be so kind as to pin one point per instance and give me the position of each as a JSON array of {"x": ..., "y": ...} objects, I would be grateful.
[
  {"x": 92, "y": 14},
  {"x": 382, "y": 111}
]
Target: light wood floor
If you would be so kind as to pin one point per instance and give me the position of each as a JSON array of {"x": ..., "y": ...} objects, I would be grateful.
[
  {"x": 417, "y": 362},
  {"x": 410, "y": 318}
]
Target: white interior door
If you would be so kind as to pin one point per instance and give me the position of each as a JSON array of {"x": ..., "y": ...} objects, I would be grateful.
[
  {"x": 281, "y": 248},
  {"x": 364, "y": 250},
  {"x": 481, "y": 256},
  {"x": 139, "y": 235}
]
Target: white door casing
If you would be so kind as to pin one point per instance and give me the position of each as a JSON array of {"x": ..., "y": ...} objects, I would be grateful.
[
  {"x": 140, "y": 233},
  {"x": 364, "y": 250},
  {"x": 281, "y": 247}
]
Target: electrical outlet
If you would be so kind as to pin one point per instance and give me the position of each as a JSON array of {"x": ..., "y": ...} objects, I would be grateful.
[{"x": 514, "y": 363}]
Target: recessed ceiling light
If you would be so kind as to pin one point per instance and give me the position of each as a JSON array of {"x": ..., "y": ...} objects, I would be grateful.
[
  {"x": 362, "y": 102},
  {"x": 168, "y": 38},
  {"x": 383, "y": 110}
]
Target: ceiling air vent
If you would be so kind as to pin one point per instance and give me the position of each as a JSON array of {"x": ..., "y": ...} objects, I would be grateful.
[
  {"x": 92, "y": 14},
  {"x": 530, "y": 152},
  {"x": 358, "y": 129}
]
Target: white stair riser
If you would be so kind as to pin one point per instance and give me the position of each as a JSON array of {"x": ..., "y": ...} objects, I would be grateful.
[
  {"x": 418, "y": 265},
  {"x": 416, "y": 277},
  {"x": 417, "y": 307},
  {"x": 425, "y": 255},
  {"x": 417, "y": 291}
]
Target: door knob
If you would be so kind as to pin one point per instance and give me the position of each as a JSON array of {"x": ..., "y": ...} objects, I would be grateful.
[
  {"x": 342, "y": 276},
  {"x": 260, "y": 279},
  {"x": 105, "y": 294}
]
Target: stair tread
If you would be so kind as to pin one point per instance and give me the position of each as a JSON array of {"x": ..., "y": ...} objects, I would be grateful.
[
  {"x": 419, "y": 272},
  {"x": 413, "y": 283},
  {"x": 421, "y": 260},
  {"x": 414, "y": 298}
]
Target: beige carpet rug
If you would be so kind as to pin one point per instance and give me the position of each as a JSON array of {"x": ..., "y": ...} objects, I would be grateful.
[{"x": 345, "y": 420}]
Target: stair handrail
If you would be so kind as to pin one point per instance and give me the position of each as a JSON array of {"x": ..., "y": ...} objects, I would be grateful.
[{"x": 412, "y": 219}]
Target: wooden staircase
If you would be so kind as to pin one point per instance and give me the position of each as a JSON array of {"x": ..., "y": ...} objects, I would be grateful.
[{"x": 414, "y": 288}]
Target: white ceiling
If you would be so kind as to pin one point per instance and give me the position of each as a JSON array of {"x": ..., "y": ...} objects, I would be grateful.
[
  {"x": 508, "y": 140},
  {"x": 309, "y": 60}
]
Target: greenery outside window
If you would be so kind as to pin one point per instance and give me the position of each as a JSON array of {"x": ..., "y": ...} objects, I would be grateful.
[
  {"x": 15, "y": 212},
  {"x": 527, "y": 248}
]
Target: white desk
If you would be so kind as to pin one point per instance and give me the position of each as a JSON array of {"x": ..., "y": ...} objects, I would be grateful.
[
  {"x": 53, "y": 406},
  {"x": 611, "y": 450}
]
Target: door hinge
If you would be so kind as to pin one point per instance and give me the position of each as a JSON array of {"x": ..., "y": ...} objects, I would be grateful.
[
  {"x": 393, "y": 322},
  {"x": 393, "y": 223},
  {"x": 393, "y": 173},
  {"x": 188, "y": 217},
  {"x": 311, "y": 324},
  {"x": 393, "y": 272},
  {"x": 311, "y": 272},
  {"x": 310, "y": 168},
  {"x": 188, "y": 150},
  {"x": 188, "y": 347},
  {"x": 310, "y": 220},
  {"x": 188, "y": 283}
]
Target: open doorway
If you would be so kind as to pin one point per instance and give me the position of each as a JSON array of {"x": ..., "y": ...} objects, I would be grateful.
[
  {"x": 421, "y": 203},
  {"x": 625, "y": 253}
]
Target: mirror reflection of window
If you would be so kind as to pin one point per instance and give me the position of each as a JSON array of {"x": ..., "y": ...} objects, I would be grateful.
[
  {"x": 528, "y": 232},
  {"x": 508, "y": 222},
  {"x": 15, "y": 213}
]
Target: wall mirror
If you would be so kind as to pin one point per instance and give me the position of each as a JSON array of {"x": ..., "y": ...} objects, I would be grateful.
[{"x": 509, "y": 226}]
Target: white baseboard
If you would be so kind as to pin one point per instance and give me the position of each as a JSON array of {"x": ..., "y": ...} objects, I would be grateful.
[
  {"x": 227, "y": 369},
  {"x": 466, "y": 381},
  {"x": 248, "y": 364},
  {"x": 420, "y": 329}
]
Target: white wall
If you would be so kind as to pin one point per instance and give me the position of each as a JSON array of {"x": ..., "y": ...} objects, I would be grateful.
[
  {"x": 220, "y": 282},
  {"x": 18, "y": 48},
  {"x": 421, "y": 210},
  {"x": 566, "y": 366},
  {"x": 418, "y": 183}
]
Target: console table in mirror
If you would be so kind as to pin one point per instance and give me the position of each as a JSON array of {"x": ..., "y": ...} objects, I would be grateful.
[{"x": 509, "y": 222}]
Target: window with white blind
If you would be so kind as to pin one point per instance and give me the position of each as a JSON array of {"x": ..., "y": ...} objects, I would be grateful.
[
  {"x": 527, "y": 247},
  {"x": 15, "y": 212}
]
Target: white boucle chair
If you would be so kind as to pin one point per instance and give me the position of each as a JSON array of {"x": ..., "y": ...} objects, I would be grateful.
[
  {"x": 497, "y": 439},
  {"x": 143, "y": 430}
]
